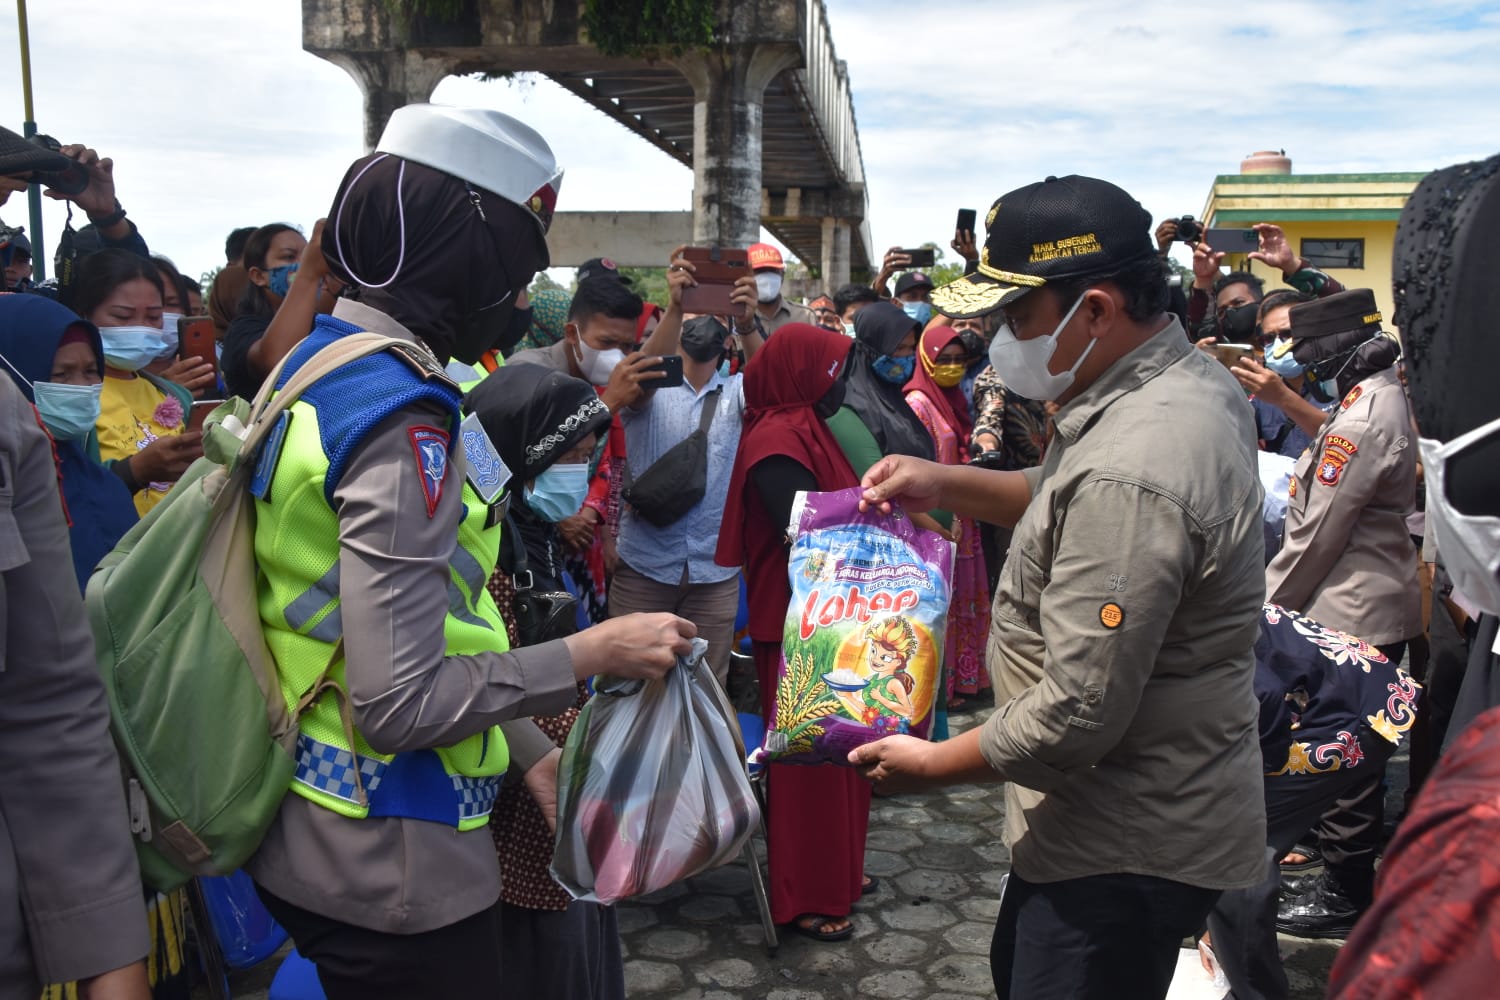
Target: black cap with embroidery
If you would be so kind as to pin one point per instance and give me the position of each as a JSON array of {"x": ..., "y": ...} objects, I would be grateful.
[
  {"x": 1343, "y": 312},
  {"x": 1062, "y": 227},
  {"x": 912, "y": 279},
  {"x": 601, "y": 267}
]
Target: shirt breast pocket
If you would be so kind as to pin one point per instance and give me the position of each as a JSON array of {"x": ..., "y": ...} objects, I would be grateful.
[{"x": 1020, "y": 592}]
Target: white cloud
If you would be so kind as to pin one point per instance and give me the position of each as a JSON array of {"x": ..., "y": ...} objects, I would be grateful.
[{"x": 218, "y": 119}]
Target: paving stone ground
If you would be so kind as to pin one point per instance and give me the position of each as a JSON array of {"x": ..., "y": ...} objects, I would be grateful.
[{"x": 924, "y": 934}]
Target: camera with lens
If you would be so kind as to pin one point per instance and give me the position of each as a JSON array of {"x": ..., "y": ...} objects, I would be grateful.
[
  {"x": 71, "y": 180},
  {"x": 1189, "y": 229}
]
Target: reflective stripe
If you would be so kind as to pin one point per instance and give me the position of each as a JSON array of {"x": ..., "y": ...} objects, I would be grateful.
[
  {"x": 306, "y": 606},
  {"x": 476, "y": 796},
  {"x": 331, "y": 770},
  {"x": 474, "y": 577}
]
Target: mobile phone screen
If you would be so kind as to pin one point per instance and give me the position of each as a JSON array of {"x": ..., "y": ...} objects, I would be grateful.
[{"x": 966, "y": 219}]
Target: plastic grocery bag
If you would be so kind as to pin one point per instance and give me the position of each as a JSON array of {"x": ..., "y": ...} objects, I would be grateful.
[
  {"x": 1276, "y": 478},
  {"x": 652, "y": 786},
  {"x": 863, "y": 645}
]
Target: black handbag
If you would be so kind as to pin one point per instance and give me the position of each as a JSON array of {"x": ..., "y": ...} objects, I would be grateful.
[
  {"x": 678, "y": 480},
  {"x": 541, "y": 615}
]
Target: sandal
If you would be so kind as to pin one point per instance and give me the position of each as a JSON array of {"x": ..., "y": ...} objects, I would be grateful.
[
  {"x": 1313, "y": 856},
  {"x": 815, "y": 926},
  {"x": 870, "y": 885}
]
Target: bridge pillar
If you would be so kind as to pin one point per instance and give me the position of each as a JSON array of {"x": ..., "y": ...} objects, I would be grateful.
[
  {"x": 728, "y": 89},
  {"x": 835, "y": 253},
  {"x": 389, "y": 80}
]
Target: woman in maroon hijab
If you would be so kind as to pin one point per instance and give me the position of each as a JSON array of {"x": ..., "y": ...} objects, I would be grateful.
[
  {"x": 935, "y": 394},
  {"x": 791, "y": 385}
]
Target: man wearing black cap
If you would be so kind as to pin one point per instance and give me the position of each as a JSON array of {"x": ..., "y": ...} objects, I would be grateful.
[
  {"x": 601, "y": 267},
  {"x": 914, "y": 295},
  {"x": 1347, "y": 558},
  {"x": 1122, "y": 638}
]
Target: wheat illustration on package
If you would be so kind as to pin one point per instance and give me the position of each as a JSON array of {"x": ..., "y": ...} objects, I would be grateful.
[{"x": 862, "y": 649}]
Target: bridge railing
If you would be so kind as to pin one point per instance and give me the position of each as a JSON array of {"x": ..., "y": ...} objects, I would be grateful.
[{"x": 825, "y": 80}]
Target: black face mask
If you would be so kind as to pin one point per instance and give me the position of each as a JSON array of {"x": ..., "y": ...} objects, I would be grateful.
[
  {"x": 520, "y": 325},
  {"x": 703, "y": 339},
  {"x": 832, "y": 399},
  {"x": 1237, "y": 325},
  {"x": 483, "y": 330}
]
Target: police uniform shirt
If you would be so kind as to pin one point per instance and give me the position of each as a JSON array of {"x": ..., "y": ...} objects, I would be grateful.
[
  {"x": 1346, "y": 558},
  {"x": 391, "y": 874}
]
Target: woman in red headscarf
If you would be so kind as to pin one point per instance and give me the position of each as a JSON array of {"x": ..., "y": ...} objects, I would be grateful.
[
  {"x": 791, "y": 386},
  {"x": 935, "y": 394}
]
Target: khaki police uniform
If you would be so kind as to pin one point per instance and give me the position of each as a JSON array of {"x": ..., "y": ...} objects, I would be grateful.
[
  {"x": 1346, "y": 558},
  {"x": 70, "y": 887},
  {"x": 391, "y": 873}
]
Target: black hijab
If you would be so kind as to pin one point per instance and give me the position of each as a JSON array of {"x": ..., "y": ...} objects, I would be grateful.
[
  {"x": 534, "y": 415},
  {"x": 444, "y": 259},
  {"x": 878, "y": 330}
]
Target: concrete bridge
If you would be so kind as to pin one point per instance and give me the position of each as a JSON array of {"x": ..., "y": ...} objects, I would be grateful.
[{"x": 764, "y": 117}]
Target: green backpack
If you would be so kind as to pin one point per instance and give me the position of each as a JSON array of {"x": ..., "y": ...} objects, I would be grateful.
[{"x": 196, "y": 708}]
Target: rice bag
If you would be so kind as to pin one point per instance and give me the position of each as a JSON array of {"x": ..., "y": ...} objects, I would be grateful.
[{"x": 863, "y": 645}]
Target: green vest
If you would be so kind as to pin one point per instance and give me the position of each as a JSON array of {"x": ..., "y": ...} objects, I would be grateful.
[{"x": 297, "y": 549}]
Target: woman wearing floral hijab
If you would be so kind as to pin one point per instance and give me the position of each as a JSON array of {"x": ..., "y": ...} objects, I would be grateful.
[{"x": 936, "y": 396}]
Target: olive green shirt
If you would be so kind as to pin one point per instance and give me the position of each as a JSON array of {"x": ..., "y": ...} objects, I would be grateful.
[{"x": 1121, "y": 645}]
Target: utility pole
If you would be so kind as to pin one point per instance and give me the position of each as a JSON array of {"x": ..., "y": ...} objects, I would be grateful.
[{"x": 28, "y": 129}]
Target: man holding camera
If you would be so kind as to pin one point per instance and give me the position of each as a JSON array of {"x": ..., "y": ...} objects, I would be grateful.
[
  {"x": 71, "y": 173},
  {"x": 1223, "y": 306},
  {"x": 667, "y": 544}
]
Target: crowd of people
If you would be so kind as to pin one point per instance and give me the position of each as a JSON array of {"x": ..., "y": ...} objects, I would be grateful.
[{"x": 1195, "y": 689}]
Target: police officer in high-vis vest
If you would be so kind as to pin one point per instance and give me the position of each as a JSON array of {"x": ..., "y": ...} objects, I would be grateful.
[
  {"x": 1347, "y": 558},
  {"x": 378, "y": 523}
]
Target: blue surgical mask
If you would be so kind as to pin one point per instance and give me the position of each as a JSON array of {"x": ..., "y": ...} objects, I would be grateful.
[
  {"x": 724, "y": 369},
  {"x": 897, "y": 371},
  {"x": 131, "y": 348},
  {"x": 69, "y": 411},
  {"x": 559, "y": 491},
  {"x": 1279, "y": 359},
  {"x": 281, "y": 279},
  {"x": 919, "y": 311}
]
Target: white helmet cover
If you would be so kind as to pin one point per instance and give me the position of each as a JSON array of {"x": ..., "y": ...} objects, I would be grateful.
[{"x": 487, "y": 149}]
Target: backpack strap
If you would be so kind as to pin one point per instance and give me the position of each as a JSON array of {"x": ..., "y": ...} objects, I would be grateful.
[{"x": 266, "y": 410}]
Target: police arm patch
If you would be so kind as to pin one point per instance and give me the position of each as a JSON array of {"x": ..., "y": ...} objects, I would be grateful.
[
  {"x": 430, "y": 446},
  {"x": 1337, "y": 451}
]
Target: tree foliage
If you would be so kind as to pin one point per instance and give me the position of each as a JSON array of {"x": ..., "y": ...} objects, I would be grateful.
[{"x": 649, "y": 27}]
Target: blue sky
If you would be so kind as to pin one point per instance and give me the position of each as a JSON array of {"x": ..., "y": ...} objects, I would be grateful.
[{"x": 217, "y": 118}]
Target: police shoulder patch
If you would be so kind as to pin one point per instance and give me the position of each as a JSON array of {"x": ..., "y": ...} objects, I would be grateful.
[
  {"x": 1352, "y": 397},
  {"x": 1337, "y": 451},
  {"x": 487, "y": 471},
  {"x": 430, "y": 446}
]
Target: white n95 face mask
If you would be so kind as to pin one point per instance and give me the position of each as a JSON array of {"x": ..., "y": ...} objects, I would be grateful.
[
  {"x": 598, "y": 365},
  {"x": 767, "y": 286},
  {"x": 1468, "y": 544},
  {"x": 1022, "y": 364}
]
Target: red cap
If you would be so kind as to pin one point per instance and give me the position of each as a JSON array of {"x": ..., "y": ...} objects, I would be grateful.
[{"x": 763, "y": 255}]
